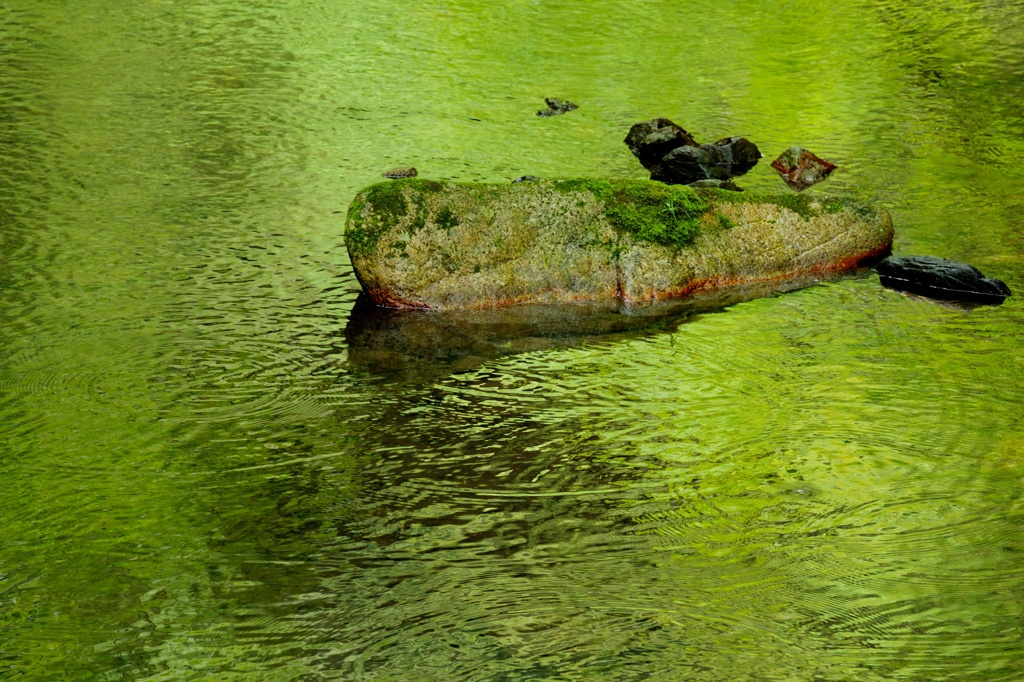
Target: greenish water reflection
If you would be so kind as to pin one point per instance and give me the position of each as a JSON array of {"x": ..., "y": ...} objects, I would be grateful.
[{"x": 203, "y": 480}]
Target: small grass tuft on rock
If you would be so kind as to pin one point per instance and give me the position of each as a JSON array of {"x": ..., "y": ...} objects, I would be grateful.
[{"x": 656, "y": 213}]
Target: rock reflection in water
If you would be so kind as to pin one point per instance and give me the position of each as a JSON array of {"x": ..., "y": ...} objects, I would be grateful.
[{"x": 416, "y": 344}]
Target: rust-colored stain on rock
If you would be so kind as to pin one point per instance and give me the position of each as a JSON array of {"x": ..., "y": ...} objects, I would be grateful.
[
  {"x": 801, "y": 168},
  {"x": 447, "y": 246}
]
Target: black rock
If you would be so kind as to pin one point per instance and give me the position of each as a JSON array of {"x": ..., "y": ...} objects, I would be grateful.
[
  {"x": 946, "y": 280},
  {"x": 651, "y": 140},
  {"x": 557, "y": 106},
  {"x": 526, "y": 178},
  {"x": 725, "y": 159},
  {"x": 684, "y": 165},
  {"x": 741, "y": 153}
]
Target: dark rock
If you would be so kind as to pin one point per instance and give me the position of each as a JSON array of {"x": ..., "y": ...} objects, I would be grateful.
[
  {"x": 526, "y": 178},
  {"x": 557, "y": 106},
  {"x": 800, "y": 168},
  {"x": 684, "y": 165},
  {"x": 651, "y": 140},
  {"x": 716, "y": 184},
  {"x": 401, "y": 172},
  {"x": 725, "y": 159},
  {"x": 946, "y": 280},
  {"x": 741, "y": 153}
]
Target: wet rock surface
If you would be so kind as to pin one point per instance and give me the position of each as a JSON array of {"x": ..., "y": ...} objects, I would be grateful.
[
  {"x": 651, "y": 140},
  {"x": 401, "y": 172},
  {"x": 557, "y": 106},
  {"x": 801, "y": 168},
  {"x": 674, "y": 157},
  {"x": 728, "y": 158},
  {"x": 740, "y": 153},
  {"x": 942, "y": 279}
]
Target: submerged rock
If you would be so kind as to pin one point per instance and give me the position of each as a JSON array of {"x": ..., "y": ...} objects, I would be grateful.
[
  {"x": 939, "y": 278},
  {"x": 651, "y": 140},
  {"x": 728, "y": 158},
  {"x": 424, "y": 244},
  {"x": 557, "y": 106},
  {"x": 401, "y": 172},
  {"x": 800, "y": 168}
]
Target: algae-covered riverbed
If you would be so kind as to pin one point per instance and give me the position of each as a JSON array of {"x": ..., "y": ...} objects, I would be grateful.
[{"x": 215, "y": 466}]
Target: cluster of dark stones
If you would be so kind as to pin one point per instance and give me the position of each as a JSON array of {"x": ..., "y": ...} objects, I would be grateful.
[{"x": 674, "y": 157}]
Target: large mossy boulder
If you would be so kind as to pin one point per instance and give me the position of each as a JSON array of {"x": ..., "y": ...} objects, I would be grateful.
[{"x": 425, "y": 244}]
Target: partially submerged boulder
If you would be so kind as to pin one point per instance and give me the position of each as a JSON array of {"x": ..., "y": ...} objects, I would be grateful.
[
  {"x": 942, "y": 279},
  {"x": 424, "y": 244}
]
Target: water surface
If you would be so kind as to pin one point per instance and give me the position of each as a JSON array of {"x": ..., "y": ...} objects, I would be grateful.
[{"x": 205, "y": 478}]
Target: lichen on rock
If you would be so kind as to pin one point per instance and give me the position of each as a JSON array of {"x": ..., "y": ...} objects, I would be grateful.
[{"x": 418, "y": 243}]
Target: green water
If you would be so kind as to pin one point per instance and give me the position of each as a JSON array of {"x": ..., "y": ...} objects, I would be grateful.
[{"x": 204, "y": 478}]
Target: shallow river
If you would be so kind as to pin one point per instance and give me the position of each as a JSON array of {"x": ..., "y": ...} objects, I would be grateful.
[{"x": 211, "y": 468}]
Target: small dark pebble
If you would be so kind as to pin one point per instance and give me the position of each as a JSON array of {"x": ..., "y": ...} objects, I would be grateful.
[
  {"x": 399, "y": 173},
  {"x": 800, "y": 168},
  {"x": 557, "y": 106},
  {"x": 526, "y": 178},
  {"x": 942, "y": 279}
]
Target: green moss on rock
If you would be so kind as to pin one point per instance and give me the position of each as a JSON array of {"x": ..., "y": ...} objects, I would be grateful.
[
  {"x": 602, "y": 189},
  {"x": 388, "y": 200},
  {"x": 389, "y": 204},
  {"x": 446, "y": 220},
  {"x": 358, "y": 238},
  {"x": 651, "y": 211},
  {"x": 656, "y": 213},
  {"x": 805, "y": 206},
  {"x": 667, "y": 215},
  {"x": 586, "y": 239}
]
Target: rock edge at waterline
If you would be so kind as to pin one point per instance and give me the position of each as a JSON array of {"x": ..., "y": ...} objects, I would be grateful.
[{"x": 445, "y": 245}]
